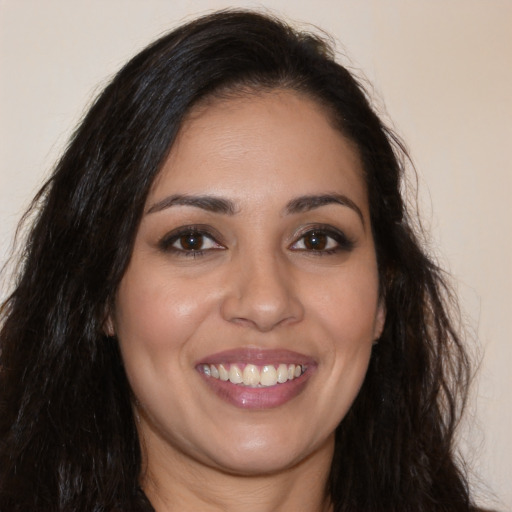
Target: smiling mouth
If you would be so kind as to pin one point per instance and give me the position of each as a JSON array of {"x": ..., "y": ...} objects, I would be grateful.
[
  {"x": 252, "y": 378},
  {"x": 251, "y": 375}
]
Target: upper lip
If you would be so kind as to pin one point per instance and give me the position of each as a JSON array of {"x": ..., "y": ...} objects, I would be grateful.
[{"x": 250, "y": 355}]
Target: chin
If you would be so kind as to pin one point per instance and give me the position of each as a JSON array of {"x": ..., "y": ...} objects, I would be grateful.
[
  {"x": 266, "y": 454},
  {"x": 258, "y": 463}
]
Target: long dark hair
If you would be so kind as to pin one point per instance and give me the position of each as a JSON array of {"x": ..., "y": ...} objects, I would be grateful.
[{"x": 68, "y": 441}]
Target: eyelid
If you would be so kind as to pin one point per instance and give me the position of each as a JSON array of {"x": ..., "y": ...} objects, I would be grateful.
[
  {"x": 166, "y": 242},
  {"x": 343, "y": 241}
]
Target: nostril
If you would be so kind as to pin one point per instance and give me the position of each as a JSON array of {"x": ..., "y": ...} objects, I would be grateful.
[
  {"x": 262, "y": 294},
  {"x": 263, "y": 314}
]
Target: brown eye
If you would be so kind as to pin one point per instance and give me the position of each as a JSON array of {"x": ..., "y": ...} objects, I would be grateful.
[
  {"x": 190, "y": 242},
  {"x": 315, "y": 241},
  {"x": 323, "y": 240}
]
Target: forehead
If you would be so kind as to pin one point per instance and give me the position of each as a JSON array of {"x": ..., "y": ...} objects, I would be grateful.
[{"x": 281, "y": 141}]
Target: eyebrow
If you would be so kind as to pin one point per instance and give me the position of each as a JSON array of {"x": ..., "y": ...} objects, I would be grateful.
[
  {"x": 307, "y": 203},
  {"x": 225, "y": 206},
  {"x": 208, "y": 203}
]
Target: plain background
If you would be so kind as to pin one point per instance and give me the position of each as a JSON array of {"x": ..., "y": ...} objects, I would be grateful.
[{"x": 441, "y": 71}]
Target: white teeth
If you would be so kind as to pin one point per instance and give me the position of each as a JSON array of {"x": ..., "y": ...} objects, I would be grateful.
[
  {"x": 282, "y": 373},
  {"x": 251, "y": 375},
  {"x": 235, "y": 375},
  {"x": 223, "y": 373},
  {"x": 268, "y": 376},
  {"x": 254, "y": 376}
]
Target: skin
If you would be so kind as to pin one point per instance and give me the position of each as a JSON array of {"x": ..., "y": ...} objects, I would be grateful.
[{"x": 257, "y": 284}]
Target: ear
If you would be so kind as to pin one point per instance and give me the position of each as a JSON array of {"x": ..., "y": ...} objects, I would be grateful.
[
  {"x": 380, "y": 320},
  {"x": 108, "y": 326}
]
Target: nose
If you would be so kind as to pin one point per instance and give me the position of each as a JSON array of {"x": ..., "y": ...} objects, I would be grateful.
[{"x": 262, "y": 294}]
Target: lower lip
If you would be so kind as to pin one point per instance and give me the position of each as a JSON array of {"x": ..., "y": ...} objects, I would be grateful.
[{"x": 246, "y": 397}]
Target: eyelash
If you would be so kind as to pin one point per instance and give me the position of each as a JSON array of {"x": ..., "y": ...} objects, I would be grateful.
[
  {"x": 166, "y": 244},
  {"x": 342, "y": 242}
]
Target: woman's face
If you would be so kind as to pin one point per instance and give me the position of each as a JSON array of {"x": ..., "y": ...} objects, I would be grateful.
[{"x": 247, "y": 313}]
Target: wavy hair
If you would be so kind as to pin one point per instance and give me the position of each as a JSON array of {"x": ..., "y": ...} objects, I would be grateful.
[{"x": 68, "y": 441}]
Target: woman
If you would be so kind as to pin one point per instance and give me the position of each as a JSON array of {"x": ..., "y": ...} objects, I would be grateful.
[{"x": 222, "y": 301}]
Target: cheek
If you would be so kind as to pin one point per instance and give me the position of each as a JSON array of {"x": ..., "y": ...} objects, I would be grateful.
[
  {"x": 156, "y": 316},
  {"x": 152, "y": 314},
  {"x": 347, "y": 312},
  {"x": 348, "y": 306}
]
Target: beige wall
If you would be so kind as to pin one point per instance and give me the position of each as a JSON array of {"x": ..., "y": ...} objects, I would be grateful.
[{"x": 443, "y": 70}]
